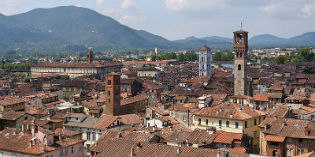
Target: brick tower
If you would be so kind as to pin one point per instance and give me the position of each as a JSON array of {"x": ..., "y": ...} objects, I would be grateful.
[
  {"x": 89, "y": 55},
  {"x": 240, "y": 48},
  {"x": 112, "y": 93}
]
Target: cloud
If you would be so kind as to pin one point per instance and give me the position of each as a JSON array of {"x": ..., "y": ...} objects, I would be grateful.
[
  {"x": 133, "y": 19},
  {"x": 128, "y": 4},
  {"x": 99, "y": 2},
  {"x": 308, "y": 10},
  {"x": 194, "y": 8},
  {"x": 9, "y": 7},
  {"x": 176, "y": 5},
  {"x": 289, "y": 9}
]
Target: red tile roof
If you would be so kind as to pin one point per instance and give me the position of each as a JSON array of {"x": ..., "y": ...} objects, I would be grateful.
[{"x": 273, "y": 138}]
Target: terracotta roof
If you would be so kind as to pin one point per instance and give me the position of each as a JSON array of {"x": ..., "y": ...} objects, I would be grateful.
[
  {"x": 309, "y": 154},
  {"x": 274, "y": 95},
  {"x": 230, "y": 110},
  {"x": 12, "y": 115},
  {"x": 105, "y": 121},
  {"x": 66, "y": 132},
  {"x": 237, "y": 150},
  {"x": 227, "y": 137},
  {"x": 273, "y": 138},
  {"x": 133, "y": 99},
  {"x": 78, "y": 64},
  {"x": 10, "y": 100},
  {"x": 289, "y": 127},
  {"x": 205, "y": 48},
  {"x": 119, "y": 147},
  {"x": 130, "y": 119},
  {"x": 69, "y": 142},
  {"x": 261, "y": 97}
]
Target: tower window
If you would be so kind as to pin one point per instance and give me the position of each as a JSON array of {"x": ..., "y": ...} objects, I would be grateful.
[
  {"x": 109, "y": 82},
  {"x": 239, "y": 67},
  {"x": 240, "y": 54}
]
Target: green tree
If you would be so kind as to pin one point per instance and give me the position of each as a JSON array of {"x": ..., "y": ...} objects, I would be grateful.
[
  {"x": 309, "y": 70},
  {"x": 280, "y": 60},
  {"x": 180, "y": 57},
  {"x": 153, "y": 57},
  {"x": 307, "y": 54}
]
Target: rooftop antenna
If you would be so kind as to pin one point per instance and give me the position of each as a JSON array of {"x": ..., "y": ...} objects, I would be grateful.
[{"x": 241, "y": 25}]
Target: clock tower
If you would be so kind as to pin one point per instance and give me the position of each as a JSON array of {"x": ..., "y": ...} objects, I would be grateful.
[{"x": 240, "y": 48}]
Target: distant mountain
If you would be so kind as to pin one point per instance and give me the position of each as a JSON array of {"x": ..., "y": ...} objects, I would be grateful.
[
  {"x": 267, "y": 40},
  {"x": 213, "y": 41},
  {"x": 73, "y": 27},
  {"x": 76, "y": 28},
  {"x": 264, "y": 40}
]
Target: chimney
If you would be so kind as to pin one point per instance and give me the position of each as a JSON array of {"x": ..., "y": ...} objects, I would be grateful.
[
  {"x": 132, "y": 153},
  {"x": 59, "y": 136},
  {"x": 33, "y": 127}
]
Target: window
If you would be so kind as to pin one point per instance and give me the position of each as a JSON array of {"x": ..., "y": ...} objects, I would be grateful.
[
  {"x": 220, "y": 122},
  {"x": 207, "y": 121},
  {"x": 245, "y": 124},
  {"x": 88, "y": 135},
  {"x": 109, "y": 82},
  {"x": 239, "y": 67},
  {"x": 61, "y": 152},
  {"x": 88, "y": 146},
  {"x": 184, "y": 118},
  {"x": 1, "y": 154},
  {"x": 67, "y": 151},
  {"x": 255, "y": 121},
  {"x": 93, "y": 136},
  {"x": 13, "y": 155},
  {"x": 108, "y": 93},
  {"x": 199, "y": 121},
  {"x": 80, "y": 148},
  {"x": 72, "y": 149},
  {"x": 240, "y": 54},
  {"x": 227, "y": 124},
  {"x": 236, "y": 124}
]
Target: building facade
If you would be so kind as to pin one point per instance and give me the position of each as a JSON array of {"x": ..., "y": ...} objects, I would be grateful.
[
  {"x": 205, "y": 60},
  {"x": 240, "y": 48},
  {"x": 75, "y": 69}
]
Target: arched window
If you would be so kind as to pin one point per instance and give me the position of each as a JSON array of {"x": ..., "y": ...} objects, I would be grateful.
[
  {"x": 236, "y": 54},
  {"x": 240, "y": 54},
  {"x": 239, "y": 67}
]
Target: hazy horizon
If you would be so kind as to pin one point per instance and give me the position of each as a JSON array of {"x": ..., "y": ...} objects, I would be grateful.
[{"x": 179, "y": 19}]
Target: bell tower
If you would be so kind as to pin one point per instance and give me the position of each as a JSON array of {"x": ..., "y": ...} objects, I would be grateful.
[
  {"x": 89, "y": 55},
  {"x": 112, "y": 94},
  {"x": 240, "y": 48}
]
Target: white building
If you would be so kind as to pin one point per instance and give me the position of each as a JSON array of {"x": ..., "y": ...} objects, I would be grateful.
[{"x": 205, "y": 60}]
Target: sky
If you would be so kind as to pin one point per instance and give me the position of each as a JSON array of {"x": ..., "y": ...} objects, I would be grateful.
[{"x": 178, "y": 19}]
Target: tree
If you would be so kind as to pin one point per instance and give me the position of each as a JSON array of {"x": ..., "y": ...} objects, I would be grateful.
[
  {"x": 309, "y": 70},
  {"x": 307, "y": 54},
  {"x": 153, "y": 57},
  {"x": 280, "y": 60},
  {"x": 181, "y": 57}
]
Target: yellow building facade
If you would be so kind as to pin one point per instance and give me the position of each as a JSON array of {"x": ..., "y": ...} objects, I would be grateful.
[{"x": 231, "y": 119}]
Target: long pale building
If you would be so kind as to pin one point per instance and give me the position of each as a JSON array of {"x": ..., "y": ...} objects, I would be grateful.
[{"x": 75, "y": 69}]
